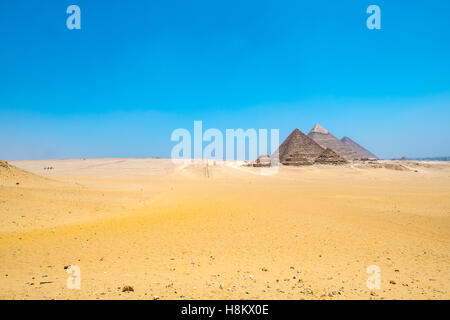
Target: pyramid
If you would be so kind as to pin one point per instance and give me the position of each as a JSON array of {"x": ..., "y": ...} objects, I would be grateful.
[
  {"x": 326, "y": 140},
  {"x": 298, "y": 150},
  {"x": 362, "y": 152},
  {"x": 330, "y": 157},
  {"x": 262, "y": 161}
]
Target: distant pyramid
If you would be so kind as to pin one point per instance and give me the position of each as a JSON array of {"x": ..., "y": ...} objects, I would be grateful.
[
  {"x": 362, "y": 152},
  {"x": 298, "y": 150},
  {"x": 326, "y": 140},
  {"x": 330, "y": 157}
]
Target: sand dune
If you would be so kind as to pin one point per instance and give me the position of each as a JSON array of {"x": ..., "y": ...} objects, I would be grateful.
[
  {"x": 10, "y": 175},
  {"x": 223, "y": 231}
]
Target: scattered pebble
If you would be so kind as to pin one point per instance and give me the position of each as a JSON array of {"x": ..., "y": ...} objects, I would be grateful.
[{"x": 127, "y": 289}]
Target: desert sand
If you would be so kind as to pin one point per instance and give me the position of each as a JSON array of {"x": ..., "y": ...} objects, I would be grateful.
[{"x": 224, "y": 231}]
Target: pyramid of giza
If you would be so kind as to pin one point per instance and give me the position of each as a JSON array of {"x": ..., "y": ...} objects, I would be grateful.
[
  {"x": 361, "y": 151},
  {"x": 326, "y": 140},
  {"x": 298, "y": 149},
  {"x": 328, "y": 156}
]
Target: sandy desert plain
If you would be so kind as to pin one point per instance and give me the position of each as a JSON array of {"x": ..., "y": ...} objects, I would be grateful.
[{"x": 223, "y": 231}]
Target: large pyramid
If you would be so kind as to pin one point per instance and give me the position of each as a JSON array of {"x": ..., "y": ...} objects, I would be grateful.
[
  {"x": 298, "y": 149},
  {"x": 362, "y": 152},
  {"x": 330, "y": 157},
  {"x": 327, "y": 140}
]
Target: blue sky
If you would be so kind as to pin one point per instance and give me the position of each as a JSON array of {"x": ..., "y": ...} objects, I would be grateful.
[{"x": 137, "y": 70}]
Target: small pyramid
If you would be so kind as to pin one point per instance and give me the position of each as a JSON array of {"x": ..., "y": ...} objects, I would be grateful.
[
  {"x": 298, "y": 150},
  {"x": 361, "y": 151},
  {"x": 326, "y": 140},
  {"x": 262, "y": 161},
  {"x": 330, "y": 157}
]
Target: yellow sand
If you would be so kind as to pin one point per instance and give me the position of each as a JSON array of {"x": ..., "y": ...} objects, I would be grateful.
[{"x": 224, "y": 231}]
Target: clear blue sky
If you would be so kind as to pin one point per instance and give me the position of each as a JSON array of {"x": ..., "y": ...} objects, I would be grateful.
[{"x": 137, "y": 70}]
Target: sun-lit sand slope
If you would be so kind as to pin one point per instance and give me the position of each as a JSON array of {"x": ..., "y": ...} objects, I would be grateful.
[{"x": 223, "y": 231}]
